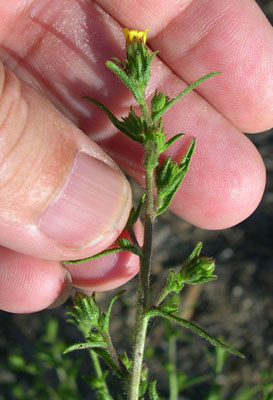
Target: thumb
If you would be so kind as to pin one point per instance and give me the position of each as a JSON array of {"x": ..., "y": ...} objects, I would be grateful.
[{"x": 61, "y": 197}]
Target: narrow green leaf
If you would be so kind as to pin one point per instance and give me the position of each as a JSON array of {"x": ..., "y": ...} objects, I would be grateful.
[
  {"x": 83, "y": 346},
  {"x": 152, "y": 391},
  {"x": 101, "y": 254},
  {"x": 188, "y": 382},
  {"x": 185, "y": 162},
  {"x": 132, "y": 125},
  {"x": 195, "y": 328},
  {"x": 122, "y": 126},
  {"x": 107, "y": 318},
  {"x": 182, "y": 94},
  {"x": 134, "y": 214},
  {"x": 117, "y": 60},
  {"x": 125, "y": 79},
  {"x": 171, "y": 141},
  {"x": 195, "y": 254},
  {"x": 108, "y": 359}
]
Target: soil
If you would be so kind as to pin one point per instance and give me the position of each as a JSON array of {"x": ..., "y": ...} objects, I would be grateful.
[{"x": 238, "y": 307}]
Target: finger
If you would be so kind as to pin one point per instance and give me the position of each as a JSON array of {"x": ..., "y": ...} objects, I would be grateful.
[
  {"x": 194, "y": 38},
  {"x": 28, "y": 284},
  {"x": 81, "y": 59},
  {"x": 60, "y": 195}
]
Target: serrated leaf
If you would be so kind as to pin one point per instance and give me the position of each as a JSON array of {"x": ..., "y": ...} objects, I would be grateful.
[
  {"x": 152, "y": 391},
  {"x": 182, "y": 94},
  {"x": 84, "y": 346},
  {"x": 157, "y": 312}
]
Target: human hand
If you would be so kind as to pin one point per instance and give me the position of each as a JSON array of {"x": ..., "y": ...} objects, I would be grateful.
[{"x": 60, "y": 48}]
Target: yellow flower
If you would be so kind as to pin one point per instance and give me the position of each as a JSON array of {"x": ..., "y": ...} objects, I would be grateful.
[{"x": 130, "y": 35}]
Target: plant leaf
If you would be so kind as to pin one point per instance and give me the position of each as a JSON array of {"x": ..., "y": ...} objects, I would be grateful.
[
  {"x": 152, "y": 391},
  {"x": 101, "y": 254},
  {"x": 125, "y": 79},
  {"x": 182, "y": 94},
  {"x": 131, "y": 125},
  {"x": 105, "y": 326},
  {"x": 126, "y": 245},
  {"x": 85, "y": 309},
  {"x": 108, "y": 359},
  {"x": 83, "y": 346},
  {"x": 169, "y": 177},
  {"x": 194, "y": 255},
  {"x": 195, "y": 328},
  {"x": 134, "y": 214},
  {"x": 171, "y": 141}
]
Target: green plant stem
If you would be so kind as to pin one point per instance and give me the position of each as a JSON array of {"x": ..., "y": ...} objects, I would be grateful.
[
  {"x": 111, "y": 350},
  {"x": 98, "y": 370},
  {"x": 143, "y": 286},
  {"x": 145, "y": 111},
  {"x": 173, "y": 384},
  {"x": 133, "y": 237},
  {"x": 161, "y": 297}
]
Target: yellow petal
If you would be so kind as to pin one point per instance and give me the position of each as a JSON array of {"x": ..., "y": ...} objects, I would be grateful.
[{"x": 130, "y": 35}]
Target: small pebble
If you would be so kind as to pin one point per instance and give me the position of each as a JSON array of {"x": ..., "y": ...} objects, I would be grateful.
[{"x": 237, "y": 291}]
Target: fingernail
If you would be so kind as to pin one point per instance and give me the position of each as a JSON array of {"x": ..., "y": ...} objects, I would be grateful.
[
  {"x": 65, "y": 292},
  {"x": 90, "y": 205}
]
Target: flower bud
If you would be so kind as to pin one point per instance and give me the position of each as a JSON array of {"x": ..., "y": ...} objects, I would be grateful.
[{"x": 199, "y": 271}]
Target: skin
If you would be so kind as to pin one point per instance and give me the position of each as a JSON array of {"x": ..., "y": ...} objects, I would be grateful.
[{"x": 53, "y": 53}]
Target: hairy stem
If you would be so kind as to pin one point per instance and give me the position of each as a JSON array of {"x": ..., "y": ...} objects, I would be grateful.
[
  {"x": 143, "y": 287},
  {"x": 113, "y": 353}
]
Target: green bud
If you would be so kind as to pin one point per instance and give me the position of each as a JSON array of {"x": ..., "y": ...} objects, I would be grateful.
[
  {"x": 138, "y": 58},
  {"x": 158, "y": 102},
  {"x": 85, "y": 309},
  {"x": 199, "y": 271}
]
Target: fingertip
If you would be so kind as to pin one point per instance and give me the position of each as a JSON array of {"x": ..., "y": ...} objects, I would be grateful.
[
  {"x": 28, "y": 284},
  {"x": 222, "y": 189}
]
